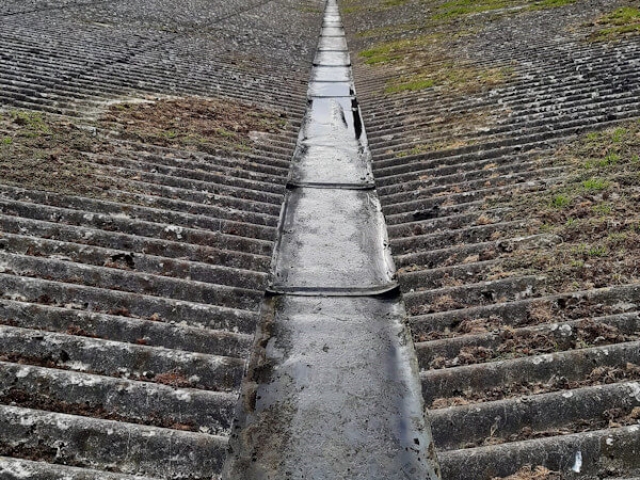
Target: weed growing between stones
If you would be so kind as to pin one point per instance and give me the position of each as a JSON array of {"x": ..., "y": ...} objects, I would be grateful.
[
  {"x": 212, "y": 126},
  {"x": 594, "y": 208},
  {"x": 425, "y": 61},
  {"x": 465, "y": 79},
  {"x": 43, "y": 152}
]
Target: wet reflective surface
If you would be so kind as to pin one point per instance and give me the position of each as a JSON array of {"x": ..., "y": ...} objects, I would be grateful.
[
  {"x": 331, "y": 74},
  {"x": 332, "y": 58},
  {"x": 332, "y": 391},
  {"x": 334, "y": 396},
  {"x": 332, "y": 32},
  {"x": 329, "y": 89},
  {"x": 332, "y": 241},
  {"x": 330, "y": 121},
  {"x": 331, "y": 165},
  {"x": 332, "y": 43},
  {"x": 332, "y": 148}
]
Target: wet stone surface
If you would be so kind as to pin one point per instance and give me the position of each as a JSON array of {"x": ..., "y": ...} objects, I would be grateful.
[
  {"x": 330, "y": 89},
  {"x": 144, "y": 152},
  {"x": 332, "y": 148},
  {"x": 332, "y": 390},
  {"x": 331, "y": 74},
  {"x": 342, "y": 249},
  {"x": 332, "y": 59},
  {"x": 315, "y": 391},
  {"x": 332, "y": 43}
]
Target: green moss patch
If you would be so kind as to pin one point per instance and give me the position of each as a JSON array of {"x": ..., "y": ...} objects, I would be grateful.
[
  {"x": 465, "y": 79},
  {"x": 619, "y": 23},
  {"x": 454, "y": 9}
]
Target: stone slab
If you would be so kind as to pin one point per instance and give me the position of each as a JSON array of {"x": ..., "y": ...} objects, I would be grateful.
[
  {"x": 332, "y": 242},
  {"x": 331, "y": 74},
  {"x": 335, "y": 396},
  {"x": 330, "y": 89},
  {"x": 332, "y": 59}
]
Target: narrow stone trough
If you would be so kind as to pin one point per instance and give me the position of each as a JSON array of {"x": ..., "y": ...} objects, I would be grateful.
[{"x": 332, "y": 389}]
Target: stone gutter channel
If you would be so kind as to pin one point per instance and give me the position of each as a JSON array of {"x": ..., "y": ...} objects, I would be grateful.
[{"x": 332, "y": 389}]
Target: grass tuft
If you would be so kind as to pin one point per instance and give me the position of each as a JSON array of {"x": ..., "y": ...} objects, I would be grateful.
[{"x": 595, "y": 184}]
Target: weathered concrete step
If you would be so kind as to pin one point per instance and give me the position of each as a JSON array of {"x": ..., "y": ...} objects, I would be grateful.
[
  {"x": 153, "y": 333},
  {"x": 588, "y": 456},
  {"x": 403, "y": 192},
  {"x": 230, "y": 222},
  {"x": 480, "y": 381},
  {"x": 416, "y": 226},
  {"x": 90, "y": 206},
  {"x": 484, "y": 293},
  {"x": 66, "y": 271},
  {"x": 253, "y": 163},
  {"x": 552, "y": 335},
  {"x": 120, "y": 360},
  {"x": 133, "y": 243},
  {"x": 18, "y": 469},
  {"x": 260, "y": 214},
  {"x": 66, "y": 110},
  {"x": 411, "y": 206},
  {"x": 122, "y": 222},
  {"x": 529, "y": 122},
  {"x": 542, "y": 78},
  {"x": 603, "y": 301},
  {"x": 474, "y": 234},
  {"x": 215, "y": 200},
  {"x": 226, "y": 187},
  {"x": 211, "y": 174},
  {"x": 515, "y": 96},
  {"x": 118, "y": 83},
  {"x": 469, "y": 270},
  {"x": 127, "y": 304},
  {"x": 561, "y": 128},
  {"x": 459, "y": 254},
  {"x": 600, "y": 71},
  {"x": 557, "y": 413},
  {"x": 387, "y": 170},
  {"x": 432, "y": 173},
  {"x": 130, "y": 261},
  {"x": 243, "y": 190},
  {"x": 109, "y": 445},
  {"x": 167, "y": 404},
  {"x": 452, "y": 197},
  {"x": 22, "y": 90},
  {"x": 436, "y": 207}
]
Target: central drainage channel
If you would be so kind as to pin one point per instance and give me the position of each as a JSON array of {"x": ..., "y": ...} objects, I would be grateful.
[{"x": 332, "y": 389}]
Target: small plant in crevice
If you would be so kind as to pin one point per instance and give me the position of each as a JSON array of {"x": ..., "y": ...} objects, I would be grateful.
[
  {"x": 595, "y": 184},
  {"x": 561, "y": 201}
]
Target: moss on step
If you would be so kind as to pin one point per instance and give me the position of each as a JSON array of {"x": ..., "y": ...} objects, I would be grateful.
[
  {"x": 43, "y": 152},
  {"x": 462, "y": 78},
  {"x": 593, "y": 207},
  {"x": 620, "y": 23}
]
